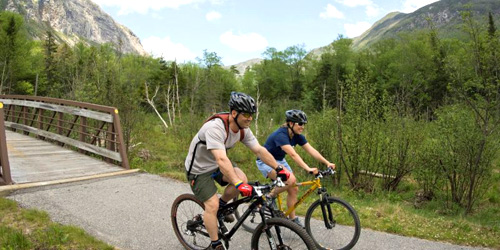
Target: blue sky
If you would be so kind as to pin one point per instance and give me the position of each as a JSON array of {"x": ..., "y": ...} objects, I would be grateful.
[{"x": 239, "y": 30}]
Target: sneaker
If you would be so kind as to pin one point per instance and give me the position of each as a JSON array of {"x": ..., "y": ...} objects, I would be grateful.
[
  {"x": 296, "y": 220},
  {"x": 219, "y": 247}
]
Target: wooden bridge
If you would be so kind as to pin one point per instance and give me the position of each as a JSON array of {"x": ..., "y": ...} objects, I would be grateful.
[{"x": 46, "y": 140}]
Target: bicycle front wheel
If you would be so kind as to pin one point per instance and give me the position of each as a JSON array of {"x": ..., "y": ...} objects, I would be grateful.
[
  {"x": 333, "y": 226},
  {"x": 187, "y": 221},
  {"x": 281, "y": 233}
]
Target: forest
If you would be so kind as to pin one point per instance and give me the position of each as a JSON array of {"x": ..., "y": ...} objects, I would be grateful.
[{"x": 419, "y": 110}]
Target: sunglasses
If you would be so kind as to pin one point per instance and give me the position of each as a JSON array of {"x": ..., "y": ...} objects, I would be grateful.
[
  {"x": 301, "y": 124},
  {"x": 246, "y": 115}
]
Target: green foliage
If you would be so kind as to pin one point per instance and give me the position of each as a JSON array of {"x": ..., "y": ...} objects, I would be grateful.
[
  {"x": 14, "y": 52},
  {"x": 465, "y": 155},
  {"x": 359, "y": 132},
  {"x": 403, "y": 139}
]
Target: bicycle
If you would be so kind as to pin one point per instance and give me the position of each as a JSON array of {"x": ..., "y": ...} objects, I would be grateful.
[
  {"x": 272, "y": 233},
  {"x": 338, "y": 226}
]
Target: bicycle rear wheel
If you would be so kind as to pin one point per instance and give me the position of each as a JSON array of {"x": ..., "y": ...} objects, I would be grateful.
[
  {"x": 187, "y": 221},
  {"x": 292, "y": 236},
  {"x": 340, "y": 231}
]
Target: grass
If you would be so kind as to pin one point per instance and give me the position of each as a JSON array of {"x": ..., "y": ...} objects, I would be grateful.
[
  {"x": 32, "y": 229},
  {"x": 403, "y": 219}
]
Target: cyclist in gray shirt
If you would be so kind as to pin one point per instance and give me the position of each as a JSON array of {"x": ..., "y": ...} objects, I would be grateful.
[{"x": 207, "y": 161}]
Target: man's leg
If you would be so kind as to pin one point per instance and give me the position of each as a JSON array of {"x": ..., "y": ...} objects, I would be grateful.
[{"x": 210, "y": 216}]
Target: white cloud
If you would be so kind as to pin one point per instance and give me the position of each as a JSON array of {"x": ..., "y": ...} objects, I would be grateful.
[
  {"x": 354, "y": 3},
  {"x": 213, "y": 15},
  {"x": 372, "y": 10},
  {"x": 167, "y": 49},
  {"x": 143, "y": 6},
  {"x": 249, "y": 42},
  {"x": 331, "y": 12},
  {"x": 356, "y": 29},
  {"x": 412, "y": 5}
]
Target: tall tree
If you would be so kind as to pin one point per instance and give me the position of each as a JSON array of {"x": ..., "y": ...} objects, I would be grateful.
[
  {"x": 14, "y": 51},
  {"x": 50, "y": 51}
]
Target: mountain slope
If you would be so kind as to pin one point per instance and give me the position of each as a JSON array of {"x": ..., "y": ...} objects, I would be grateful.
[
  {"x": 242, "y": 66},
  {"x": 73, "y": 21},
  {"x": 445, "y": 16}
]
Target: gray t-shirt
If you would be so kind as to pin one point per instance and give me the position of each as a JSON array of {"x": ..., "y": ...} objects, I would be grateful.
[{"x": 213, "y": 133}]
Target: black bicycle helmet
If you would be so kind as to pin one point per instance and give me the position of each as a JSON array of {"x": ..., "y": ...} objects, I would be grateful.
[
  {"x": 295, "y": 115},
  {"x": 242, "y": 102}
]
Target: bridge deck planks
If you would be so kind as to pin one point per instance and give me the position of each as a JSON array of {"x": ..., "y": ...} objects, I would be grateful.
[{"x": 34, "y": 160}]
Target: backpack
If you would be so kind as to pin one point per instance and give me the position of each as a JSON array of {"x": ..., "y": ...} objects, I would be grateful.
[{"x": 224, "y": 116}]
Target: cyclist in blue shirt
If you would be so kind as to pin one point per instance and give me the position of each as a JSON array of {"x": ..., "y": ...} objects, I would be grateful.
[{"x": 282, "y": 142}]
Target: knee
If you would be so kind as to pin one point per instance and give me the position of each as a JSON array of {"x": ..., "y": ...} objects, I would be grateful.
[
  {"x": 241, "y": 175},
  {"x": 212, "y": 205},
  {"x": 291, "y": 180}
]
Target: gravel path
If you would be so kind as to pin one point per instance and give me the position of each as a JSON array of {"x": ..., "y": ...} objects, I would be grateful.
[{"x": 133, "y": 212}]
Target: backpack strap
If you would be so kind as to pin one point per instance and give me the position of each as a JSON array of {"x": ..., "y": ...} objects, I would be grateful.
[{"x": 224, "y": 116}]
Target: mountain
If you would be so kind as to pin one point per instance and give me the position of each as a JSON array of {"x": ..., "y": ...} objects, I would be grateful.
[
  {"x": 72, "y": 21},
  {"x": 242, "y": 66},
  {"x": 445, "y": 16}
]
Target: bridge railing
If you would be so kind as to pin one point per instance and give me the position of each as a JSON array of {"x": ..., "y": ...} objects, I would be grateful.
[
  {"x": 5, "y": 177},
  {"x": 89, "y": 128}
]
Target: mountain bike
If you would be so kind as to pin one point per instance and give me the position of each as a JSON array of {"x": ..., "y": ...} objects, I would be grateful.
[
  {"x": 271, "y": 233},
  {"x": 337, "y": 225}
]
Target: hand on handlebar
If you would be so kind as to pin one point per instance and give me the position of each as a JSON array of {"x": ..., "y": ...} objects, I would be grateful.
[
  {"x": 331, "y": 165},
  {"x": 245, "y": 189},
  {"x": 313, "y": 171},
  {"x": 282, "y": 173}
]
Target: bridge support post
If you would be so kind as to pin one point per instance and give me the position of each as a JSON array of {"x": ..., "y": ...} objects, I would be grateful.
[{"x": 5, "y": 177}]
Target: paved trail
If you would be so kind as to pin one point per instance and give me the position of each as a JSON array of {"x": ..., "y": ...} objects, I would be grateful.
[{"x": 133, "y": 212}]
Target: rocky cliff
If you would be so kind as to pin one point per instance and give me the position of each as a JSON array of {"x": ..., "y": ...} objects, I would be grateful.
[{"x": 73, "y": 21}]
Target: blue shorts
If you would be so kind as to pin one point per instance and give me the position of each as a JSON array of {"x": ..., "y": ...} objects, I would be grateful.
[{"x": 265, "y": 169}]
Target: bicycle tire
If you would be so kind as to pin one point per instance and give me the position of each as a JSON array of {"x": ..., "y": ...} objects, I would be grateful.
[
  {"x": 346, "y": 227},
  {"x": 294, "y": 236},
  {"x": 187, "y": 208}
]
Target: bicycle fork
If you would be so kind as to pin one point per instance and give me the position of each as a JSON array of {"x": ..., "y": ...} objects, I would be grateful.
[
  {"x": 270, "y": 239},
  {"x": 326, "y": 210}
]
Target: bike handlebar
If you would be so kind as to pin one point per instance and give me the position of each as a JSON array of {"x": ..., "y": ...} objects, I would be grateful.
[
  {"x": 326, "y": 172},
  {"x": 260, "y": 190}
]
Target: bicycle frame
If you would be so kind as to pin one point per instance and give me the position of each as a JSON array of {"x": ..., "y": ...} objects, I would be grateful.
[
  {"x": 228, "y": 234},
  {"x": 315, "y": 184}
]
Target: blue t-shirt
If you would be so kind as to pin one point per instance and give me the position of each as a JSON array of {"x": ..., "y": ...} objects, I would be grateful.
[{"x": 279, "y": 138}]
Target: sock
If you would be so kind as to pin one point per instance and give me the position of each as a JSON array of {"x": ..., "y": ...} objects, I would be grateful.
[
  {"x": 216, "y": 243},
  {"x": 222, "y": 202}
]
